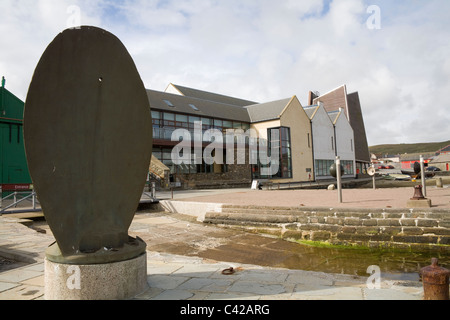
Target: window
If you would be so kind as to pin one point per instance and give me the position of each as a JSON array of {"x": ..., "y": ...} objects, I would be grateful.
[
  {"x": 348, "y": 166},
  {"x": 169, "y": 103},
  {"x": 206, "y": 121},
  {"x": 156, "y": 115},
  {"x": 237, "y": 125},
  {"x": 169, "y": 116},
  {"x": 323, "y": 167},
  {"x": 193, "y": 119},
  {"x": 227, "y": 124},
  {"x": 285, "y": 161},
  {"x": 181, "y": 118}
]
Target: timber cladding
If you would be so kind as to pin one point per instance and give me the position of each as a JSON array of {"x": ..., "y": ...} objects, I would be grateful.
[{"x": 418, "y": 229}]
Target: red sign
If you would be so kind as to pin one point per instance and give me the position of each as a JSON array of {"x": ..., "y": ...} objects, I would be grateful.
[{"x": 16, "y": 187}]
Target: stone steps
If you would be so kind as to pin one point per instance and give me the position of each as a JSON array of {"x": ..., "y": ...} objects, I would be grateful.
[{"x": 420, "y": 229}]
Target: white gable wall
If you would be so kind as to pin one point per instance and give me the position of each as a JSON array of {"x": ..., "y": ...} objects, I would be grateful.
[
  {"x": 323, "y": 136},
  {"x": 171, "y": 89},
  {"x": 345, "y": 141}
]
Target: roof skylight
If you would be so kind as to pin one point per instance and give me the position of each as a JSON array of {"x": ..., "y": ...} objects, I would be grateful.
[
  {"x": 169, "y": 103},
  {"x": 194, "y": 107}
]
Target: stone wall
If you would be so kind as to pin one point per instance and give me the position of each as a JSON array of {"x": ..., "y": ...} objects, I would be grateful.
[
  {"x": 412, "y": 229},
  {"x": 236, "y": 176}
]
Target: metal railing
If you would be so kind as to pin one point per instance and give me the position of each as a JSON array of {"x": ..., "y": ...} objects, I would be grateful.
[{"x": 17, "y": 199}]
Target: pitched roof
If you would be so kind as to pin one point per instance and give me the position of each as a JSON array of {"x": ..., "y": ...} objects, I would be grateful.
[
  {"x": 334, "y": 116},
  {"x": 311, "y": 111},
  {"x": 416, "y": 156},
  {"x": 204, "y": 95},
  {"x": 334, "y": 99},
  {"x": 445, "y": 157},
  {"x": 267, "y": 111},
  {"x": 183, "y": 104},
  {"x": 445, "y": 149}
]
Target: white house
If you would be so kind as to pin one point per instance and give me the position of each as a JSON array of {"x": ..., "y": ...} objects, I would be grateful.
[
  {"x": 345, "y": 142},
  {"x": 324, "y": 142}
]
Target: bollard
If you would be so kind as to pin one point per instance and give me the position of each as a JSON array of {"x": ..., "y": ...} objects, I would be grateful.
[
  {"x": 439, "y": 183},
  {"x": 418, "y": 195},
  {"x": 435, "y": 281}
]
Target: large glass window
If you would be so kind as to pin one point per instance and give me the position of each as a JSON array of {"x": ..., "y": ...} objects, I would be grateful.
[
  {"x": 348, "y": 166},
  {"x": 284, "y": 134},
  {"x": 227, "y": 124},
  {"x": 323, "y": 167}
]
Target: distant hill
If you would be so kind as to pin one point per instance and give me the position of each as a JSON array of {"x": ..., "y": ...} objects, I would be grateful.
[{"x": 394, "y": 149}]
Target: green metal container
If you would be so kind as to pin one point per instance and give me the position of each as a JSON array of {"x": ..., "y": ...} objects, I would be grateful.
[{"x": 13, "y": 162}]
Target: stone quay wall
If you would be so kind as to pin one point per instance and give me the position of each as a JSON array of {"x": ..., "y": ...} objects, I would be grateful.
[{"x": 411, "y": 229}]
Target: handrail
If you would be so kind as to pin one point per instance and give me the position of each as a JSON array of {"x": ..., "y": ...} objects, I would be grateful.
[{"x": 13, "y": 195}]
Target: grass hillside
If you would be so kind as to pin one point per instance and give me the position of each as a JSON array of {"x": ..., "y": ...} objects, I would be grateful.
[{"x": 393, "y": 149}]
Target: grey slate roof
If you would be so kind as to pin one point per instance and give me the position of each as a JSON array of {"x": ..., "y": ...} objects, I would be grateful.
[
  {"x": 267, "y": 111},
  {"x": 206, "y": 108},
  {"x": 204, "y": 95},
  {"x": 334, "y": 115},
  {"x": 310, "y": 111}
]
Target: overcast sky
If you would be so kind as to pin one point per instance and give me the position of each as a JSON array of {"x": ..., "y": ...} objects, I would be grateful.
[{"x": 396, "y": 54}]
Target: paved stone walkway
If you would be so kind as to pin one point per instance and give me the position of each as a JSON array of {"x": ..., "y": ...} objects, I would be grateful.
[{"x": 175, "y": 277}]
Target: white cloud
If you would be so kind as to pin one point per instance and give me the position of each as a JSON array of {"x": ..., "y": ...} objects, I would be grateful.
[{"x": 266, "y": 50}]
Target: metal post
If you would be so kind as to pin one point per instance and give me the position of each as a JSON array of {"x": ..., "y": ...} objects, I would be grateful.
[
  {"x": 33, "y": 199},
  {"x": 153, "y": 190},
  {"x": 373, "y": 178},
  {"x": 422, "y": 174},
  {"x": 339, "y": 180}
]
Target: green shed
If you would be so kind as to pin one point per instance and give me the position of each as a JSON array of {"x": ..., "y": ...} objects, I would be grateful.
[{"x": 14, "y": 173}]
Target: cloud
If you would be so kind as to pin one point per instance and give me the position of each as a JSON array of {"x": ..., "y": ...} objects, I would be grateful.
[{"x": 266, "y": 50}]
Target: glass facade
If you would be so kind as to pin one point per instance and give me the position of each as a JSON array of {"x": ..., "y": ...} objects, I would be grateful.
[
  {"x": 279, "y": 138},
  {"x": 348, "y": 166},
  {"x": 323, "y": 167},
  {"x": 165, "y": 123}
]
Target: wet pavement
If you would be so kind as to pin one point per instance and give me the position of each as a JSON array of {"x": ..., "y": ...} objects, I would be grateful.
[
  {"x": 186, "y": 257},
  {"x": 193, "y": 273}
]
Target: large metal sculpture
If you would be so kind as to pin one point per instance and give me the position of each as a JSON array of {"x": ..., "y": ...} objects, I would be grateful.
[{"x": 88, "y": 139}]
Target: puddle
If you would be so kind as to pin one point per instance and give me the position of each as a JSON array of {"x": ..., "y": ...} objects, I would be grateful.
[{"x": 394, "y": 265}]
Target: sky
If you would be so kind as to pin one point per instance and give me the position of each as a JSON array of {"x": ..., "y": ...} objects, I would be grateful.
[{"x": 395, "y": 54}]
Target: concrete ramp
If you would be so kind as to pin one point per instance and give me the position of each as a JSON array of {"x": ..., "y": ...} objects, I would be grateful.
[{"x": 195, "y": 209}]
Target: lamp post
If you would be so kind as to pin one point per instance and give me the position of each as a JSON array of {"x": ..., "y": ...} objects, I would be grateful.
[
  {"x": 339, "y": 180},
  {"x": 422, "y": 174}
]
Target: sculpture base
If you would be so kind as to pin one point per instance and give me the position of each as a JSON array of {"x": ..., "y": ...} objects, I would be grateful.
[
  {"x": 111, "y": 281},
  {"x": 131, "y": 249},
  {"x": 422, "y": 203}
]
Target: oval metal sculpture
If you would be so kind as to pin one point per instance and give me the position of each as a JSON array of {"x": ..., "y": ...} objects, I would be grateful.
[
  {"x": 333, "y": 170},
  {"x": 88, "y": 139}
]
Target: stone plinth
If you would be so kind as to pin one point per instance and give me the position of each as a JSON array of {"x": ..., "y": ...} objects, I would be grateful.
[
  {"x": 421, "y": 203},
  {"x": 111, "y": 281}
]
